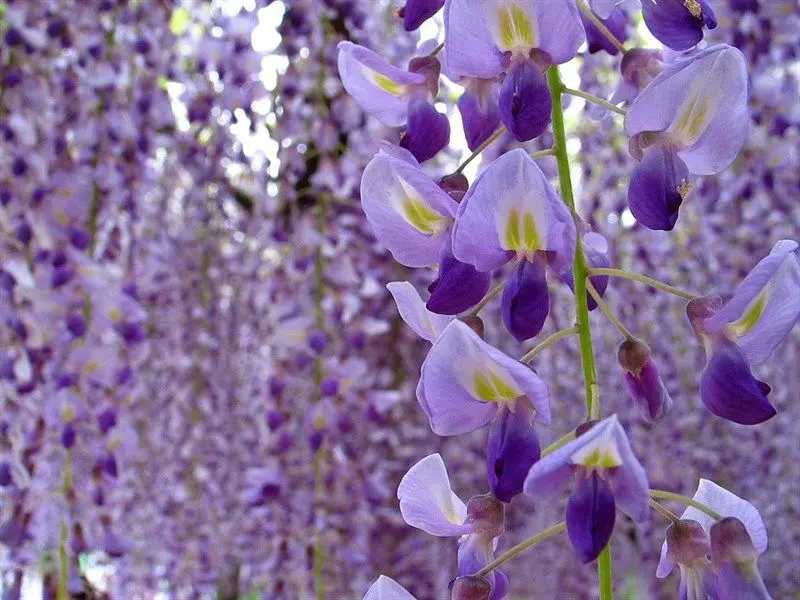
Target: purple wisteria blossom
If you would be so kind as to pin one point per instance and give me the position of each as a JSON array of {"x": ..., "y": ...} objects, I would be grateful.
[
  {"x": 678, "y": 24},
  {"x": 511, "y": 212},
  {"x": 464, "y": 382},
  {"x": 691, "y": 119},
  {"x": 744, "y": 332},
  {"x": 519, "y": 38},
  {"x": 607, "y": 474}
]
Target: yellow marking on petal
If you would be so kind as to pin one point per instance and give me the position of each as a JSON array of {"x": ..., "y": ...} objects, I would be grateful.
[
  {"x": 512, "y": 237},
  {"x": 515, "y": 28},
  {"x": 388, "y": 85},
  {"x": 521, "y": 233},
  {"x": 490, "y": 387},
  {"x": 601, "y": 459},
  {"x": 68, "y": 414},
  {"x": 422, "y": 217},
  {"x": 693, "y": 118},
  {"x": 748, "y": 320}
]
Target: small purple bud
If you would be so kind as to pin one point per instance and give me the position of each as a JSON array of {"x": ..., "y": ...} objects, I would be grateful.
[
  {"x": 6, "y": 478},
  {"x": 427, "y": 132},
  {"x": 23, "y": 231},
  {"x": 68, "y": 436},
  {"x": 644, "y": 380},
  {"x": 318, "y": 341},
  {"x": 123, "y": 375},
  {"x": 730, "y": 542},
  {"x": 315, "y": 439},
  {"x": 276, "y": 386},
  {"x": 79, "y": 238},
  {"x": 735, "y": 559},
  {"x": 106, "y": 420},
  {"x": 329, "y": 386},
  {"x": 275, "y": 419},
  {"x": 60, "y": 276},
  {"x": 76, "y": 325},
  {"x": 471, "y": 587}
]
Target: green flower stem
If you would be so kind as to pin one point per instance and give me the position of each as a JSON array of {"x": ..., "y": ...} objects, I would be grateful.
[
  {"x": 548, "y": 341},
  {"x": 584, "y": 8},
  {"x": 663, "y": 510},
  {"x": 654, "y": 283},
  {"x": 481, "y": 148},
  {"x": 562, "y": 441},
  {"x": 493, "y": 293},
  {"x": 543, "y": 153},
  {"x": 608, "y": 312},
  {"x": 579, "y": 275},
  {"x": 595, "y": 100},
  {"x": 521, "y": 547},
  {"x": 664, "y": 495}
]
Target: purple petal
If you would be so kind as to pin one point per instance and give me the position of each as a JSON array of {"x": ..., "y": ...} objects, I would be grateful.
[
  {"x": 559, "y": 27},
  {"x": 512, "y": 448},
  {"x": 428, "y": 130},
  {"x": 409, "y": 213},
  {"x": 729, "y": 390},
  {"x": 458, "y": 287},
  {"x": 766, "y": 304},
  {"x": 357, "y": 69},
  {"x": 526, "y": 299},
  {"x": 424, "y": 323},
  {"x": 512, "y": 191},
  {"x": 595, "y": 253},
  {"x": 701, "y": 105},
  {"x": 416, "y": 12},
  {"x": 678, "y": 23},
  {"x": 525, "y": 102},
  {"x": 428, "y": 503},
  {"x": 649, "y": 392},
  {"x": 603, "y": 8},
  {"x": 728, "y": 504},
  {"x": 658, "y": 187},
  {"x": 463, "y": 378},
  {"x": 590, "y": 517},
  {"x": 735, "y": 557},
  {"x": 616, "y": 23},
  {"x": 479, "y": 110},
  {"x": 386, "y": 588},
  {"x": 629, "y": 480},
  {"x": 470, "y": 50}
]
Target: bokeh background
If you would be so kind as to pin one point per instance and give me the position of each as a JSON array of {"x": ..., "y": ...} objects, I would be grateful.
[{"x": 205, "y": 389}]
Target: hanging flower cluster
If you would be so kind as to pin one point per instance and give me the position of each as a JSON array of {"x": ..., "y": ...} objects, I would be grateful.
[{"x": 686, "y": 115}]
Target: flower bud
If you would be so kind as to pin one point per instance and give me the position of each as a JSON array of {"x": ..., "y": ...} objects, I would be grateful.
[
  {"x": 687, "y": 543},
  {"x": 476, "y": 324},
  {"x": 487, "y": 513},
  {"x": 455, "y": 184},
  {"x": 734, "y": 557},
  {"x": 730, "y": 542},
  {"x": 644, "y": 380},
  {"x": 471, "y": 587}
]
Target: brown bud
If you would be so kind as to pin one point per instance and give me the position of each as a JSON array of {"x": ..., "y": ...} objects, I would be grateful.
[
  {"x": 487, "y": 513},
  {"x": 633, "y": 355},
  {"x": 471, "y": 587},
  {"x": 475, "y": 323}
]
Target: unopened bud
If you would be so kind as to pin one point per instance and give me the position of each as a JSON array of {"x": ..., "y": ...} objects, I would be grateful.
[
  {"x": 633, "y": 355},
  {"x": 687, "y": 543},
  {"x": 455, "y": 184},
  {"x": 730, "y": 542},
  {"x": 471, "y": 587},
  {"x": 487, "y": 513},
  {"x": 475, "y": 323}
]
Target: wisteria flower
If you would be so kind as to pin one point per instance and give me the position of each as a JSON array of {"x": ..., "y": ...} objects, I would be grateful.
[
  {"x": 744, "y": 331},
  {"x": 464, "y": 381},
  {"x": 678, "y": 23},
  {"x": 426, "y": 324},
  {"x": 386, "y": 588},
  {"x": 697, "y": 578},
  {"x": 408, "y": 212},
  {"x": 396, "y": 96},
  {"x": 691, "y": 119},
  {"x": 520, "y": 38},
  {"x": 512, "y": 212},
  {"x": 607, "y": 474},
  {"x": 416, "y": 12},
  {"x": 643, "y": 380}
]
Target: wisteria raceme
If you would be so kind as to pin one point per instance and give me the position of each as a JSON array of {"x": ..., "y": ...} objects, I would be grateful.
[{"x": 262, "y": 335}]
